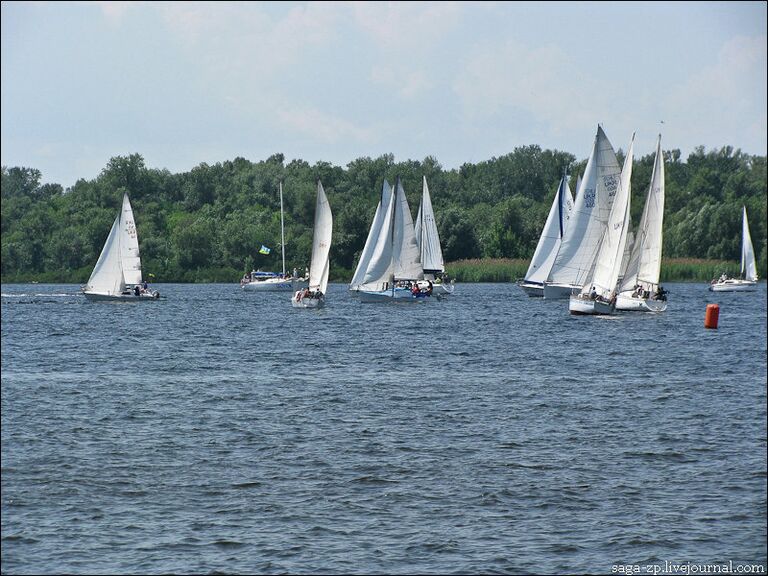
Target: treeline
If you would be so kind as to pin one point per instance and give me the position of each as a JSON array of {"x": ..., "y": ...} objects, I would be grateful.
[{"x": 207, "y": 225}]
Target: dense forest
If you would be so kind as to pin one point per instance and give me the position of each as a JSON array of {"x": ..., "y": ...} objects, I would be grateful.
[{"x": 207, "y": 225}]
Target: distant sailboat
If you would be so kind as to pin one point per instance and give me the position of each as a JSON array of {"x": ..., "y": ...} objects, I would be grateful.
[
  {"x": 598, "y": 294},
  {"x": 549, "y": 241},
  {"x": 314, "y": 295},
  {"x": 428, "y": 239},
  {"x": 583, "y": 234},
  {"x": 748, "y": 281},
  {"x": 639, "y": 288},
  {"x": 272, "y": 281},
  {"x": 394, "y": 267},
  {"x": 117, "y": 274}
]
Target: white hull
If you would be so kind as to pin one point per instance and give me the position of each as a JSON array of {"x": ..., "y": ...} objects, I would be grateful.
[
  {"x": 531, "y": 289},
  {"x": 274, "y": 285},
  {"x": 146, "y": 297},
  {"x": 583, "y": 306},
  {"x": 307, "y": 302},
  {"x": 442, "y": 289},
  {"x": 733, "y": 285},
  {"x": 559, "y": 291},
  {"x": 626, "y": 301},
  {"x": 399, "y": 295}
]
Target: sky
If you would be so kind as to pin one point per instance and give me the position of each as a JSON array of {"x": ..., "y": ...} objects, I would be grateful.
[{"x": 182, "y": 83}]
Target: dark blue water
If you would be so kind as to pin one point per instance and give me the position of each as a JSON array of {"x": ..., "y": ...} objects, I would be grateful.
[{"x": 217, "y": 431}]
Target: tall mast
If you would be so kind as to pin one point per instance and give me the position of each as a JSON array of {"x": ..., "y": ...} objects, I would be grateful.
[{"x": 282, "y": 226}]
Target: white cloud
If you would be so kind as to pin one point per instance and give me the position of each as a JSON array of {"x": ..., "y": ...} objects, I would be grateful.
[
  {"x": 316, "y": 125},
  {"x": 114, "y": 11},
  {"x": 726, "y": 99},
  {"x": 542, "y": 83}
]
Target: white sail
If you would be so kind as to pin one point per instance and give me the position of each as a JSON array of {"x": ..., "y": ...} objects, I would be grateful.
[
  {"x": 645, "y": 263},
  {"x": 551, "y": 235},
  {"x": 129, "y": 245},
  {"x": 608, "y": 262},
  {"x": 321, "y": 242},
  {"x": 592, "y": 208},
  {"x": 406, "y": 260},
  {"x": 373, "y": 236},
  {"x": 427, "y": 237},
  {"x": 378, "y": 271},
  {"x": 107, "y": 276},
  {"x": 748, "y": 266}
]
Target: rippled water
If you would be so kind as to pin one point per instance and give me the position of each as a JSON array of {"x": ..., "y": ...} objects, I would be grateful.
[{"x": 222, "y": 431}]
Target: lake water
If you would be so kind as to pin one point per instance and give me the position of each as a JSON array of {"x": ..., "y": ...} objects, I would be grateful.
[{"x": 217, "y": 431}]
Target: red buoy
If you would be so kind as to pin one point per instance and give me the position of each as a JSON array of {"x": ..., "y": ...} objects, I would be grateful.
[{"x": 712, "y": 315}]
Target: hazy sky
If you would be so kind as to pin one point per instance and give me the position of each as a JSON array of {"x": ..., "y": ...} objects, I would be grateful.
[{"x": 185, "y": 83}]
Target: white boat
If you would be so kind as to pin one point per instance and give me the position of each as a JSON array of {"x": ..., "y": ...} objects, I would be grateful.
[
  {"x": 598, "y": 295},
  {"x": 589, "y": 217},
  {"x": 748, "y": 281},
  {"x": 394, "y": 272},
  {"x": 314, "y": 295},
  {"x": 117, "y": 274},
  {"x": 370, "y": 242},
  {"x": 428, "y": 241},
  {"x": 273, "y": 281},
  {"x": 549, "y": 241},
  {"x": 639, "y": 289}
]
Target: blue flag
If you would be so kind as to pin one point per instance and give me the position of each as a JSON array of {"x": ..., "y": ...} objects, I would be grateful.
[{"x": 264, "y": 250}]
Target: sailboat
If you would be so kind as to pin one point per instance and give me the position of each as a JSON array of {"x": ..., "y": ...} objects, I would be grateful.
[
  {"x": 314, "y": 295},
  {"x": 549, "y": 241},
  {"x": 598, "y": 294},
  {"x": 639, "y": 288},
  {"x": 370, "y": 242},
  {"x": 428, "y": 240},
  {"x": 117, "y": 274},
  {"x": 272, "y": 281},
  {"x": 394, "y": 271},
  {"x": 748, "y": 281},
  {"x": 583, "y": 234}
]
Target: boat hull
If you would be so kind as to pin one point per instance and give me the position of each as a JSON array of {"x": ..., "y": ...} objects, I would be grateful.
[
  {"x": 559, "y": 291},
  {"x": 532, "y": 290},
  {"x": 274, "y": 285},
  {"x": 626, "y": 301},
  {"x": 580, "y": 306},
  {"x": 442, "y": 289},
  {"x": 297, "y": 301},
  {"x": 146, "y": 297},
  {"x": 398, "y": 295},
  {"x": 733, "y": 285}
]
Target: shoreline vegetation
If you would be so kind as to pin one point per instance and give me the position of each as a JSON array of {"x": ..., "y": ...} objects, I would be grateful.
[{"x": 502, "y": 270}]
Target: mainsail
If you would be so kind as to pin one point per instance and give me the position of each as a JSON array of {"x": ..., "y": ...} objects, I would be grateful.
[
  {"x": 427, "y": 237},
  {"x": 321, "y": 242},
  {"x": 645, "y": 261},
  {"x": 589, "y": 218},
  {"x": 609, "y": 258},
  {"x": 129, "y": 245},
  {"x": 748, "y": 267}
]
